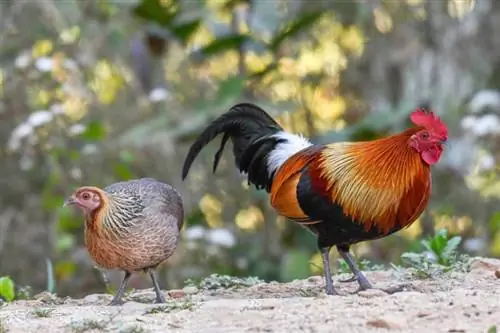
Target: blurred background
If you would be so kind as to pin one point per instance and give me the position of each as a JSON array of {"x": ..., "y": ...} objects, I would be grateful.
[{"x": 93, "y": 92}]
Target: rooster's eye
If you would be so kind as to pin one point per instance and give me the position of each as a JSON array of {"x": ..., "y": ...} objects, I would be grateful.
[{"x": 425, "y": 136}]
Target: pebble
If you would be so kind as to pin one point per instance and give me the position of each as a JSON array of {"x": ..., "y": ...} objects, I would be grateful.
[
  {"x": 45, "y": 297},
  {"x": 372, "y": 293},
  {"x": 485, "y": 265},
  {"x": 497, "y": 273},
  {"x": 96, "y": 298},
  {"x": 388, "y": 322},
  {"x": 176, "y": 293},
  {"x": 190, "y": 290}
]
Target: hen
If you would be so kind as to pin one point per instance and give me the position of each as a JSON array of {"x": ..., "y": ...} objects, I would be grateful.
[{"x": 132, "y": 226}]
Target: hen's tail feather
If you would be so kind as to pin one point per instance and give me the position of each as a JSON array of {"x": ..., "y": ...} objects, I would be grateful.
[{"x": 252, "y": 132}]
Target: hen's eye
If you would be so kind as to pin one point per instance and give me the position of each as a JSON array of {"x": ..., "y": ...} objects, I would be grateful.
[
  {"x": 425, "y": 136},
  {"x": 85, "y": 196}
]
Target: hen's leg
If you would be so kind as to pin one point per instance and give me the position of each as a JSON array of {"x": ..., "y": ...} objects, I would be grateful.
[
  {"x": 159, "y": 295},
  {"x": 358, "y": 275},
  {"x": 325, "y": 251},
  {"x": 117, "y": 300}
]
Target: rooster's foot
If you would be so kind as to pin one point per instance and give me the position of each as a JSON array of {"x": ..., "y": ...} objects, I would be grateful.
[{"x": 116, "y": 302}]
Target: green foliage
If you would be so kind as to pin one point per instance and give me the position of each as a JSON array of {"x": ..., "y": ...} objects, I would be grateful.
[
  {"x": 492, "y": 329},
  {"x": 42, "y": 312},
  {"x": 222, "y": 44},
  {"x": 294, "y": 27},
  {"x": 443, "y": 249},
  {"x": 7, "y": 288},
  {"x": 216, "y": 281},
  {"x": 294, "y": 267},
  {"x": 94, "y": 131},
  {"x": 155, "y": 11},
  {"x": 51, "y": 281},
  {"x": 439, "y": 255}
]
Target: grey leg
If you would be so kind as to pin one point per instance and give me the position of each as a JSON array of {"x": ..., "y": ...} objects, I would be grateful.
[
  {"x": 117, "y": 300},
  {"x": 159, "y": 295},
  {"x": 325, "y": 251},
  {"x": 358, "y": 275}
]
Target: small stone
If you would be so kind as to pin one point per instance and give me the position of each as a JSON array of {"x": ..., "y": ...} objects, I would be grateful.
[
  {"x": 45, "y": 297},
  {"x": 315, "y": 279},
  {"x": 423, "y": 314},
  {"x": 190, "y": 290},
  {"x": 497, "y": 273},
  {"x": 482, "y": 265},
  {"x": 388, "y": 322},
  {"x": 372, "y": 293},
  {"x": 96, "y": 299},
  {"x": 176, "y": 293}
]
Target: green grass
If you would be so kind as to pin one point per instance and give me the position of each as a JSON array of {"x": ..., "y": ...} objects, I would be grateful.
[
  {"x": 439, "y": 255},
  {"x": 217, "y": 281}
]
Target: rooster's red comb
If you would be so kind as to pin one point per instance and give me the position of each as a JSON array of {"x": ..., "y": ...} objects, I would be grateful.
[{"x": 430, "y": 121}]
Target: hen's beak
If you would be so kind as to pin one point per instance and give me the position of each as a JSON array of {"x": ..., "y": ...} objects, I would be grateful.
[{"x": 69, "y": 201}]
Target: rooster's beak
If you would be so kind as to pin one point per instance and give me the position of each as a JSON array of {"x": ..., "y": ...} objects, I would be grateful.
[{"x": 69, "y": 201}]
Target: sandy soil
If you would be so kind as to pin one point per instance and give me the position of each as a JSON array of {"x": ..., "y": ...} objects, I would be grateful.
[{"x": 458, "y": 302}]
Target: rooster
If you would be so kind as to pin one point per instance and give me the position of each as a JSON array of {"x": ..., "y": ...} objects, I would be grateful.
[{"x": 344, "y": 192}]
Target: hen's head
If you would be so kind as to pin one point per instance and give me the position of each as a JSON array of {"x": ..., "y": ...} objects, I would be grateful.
[
  {"x": 87, "y": 198},
  {"x": 431, "y": 137}
]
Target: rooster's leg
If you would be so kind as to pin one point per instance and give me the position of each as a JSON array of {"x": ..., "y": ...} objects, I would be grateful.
[
  {"x": 117, "y": 300},
  {"x": 325, "y": 255},
  {"x": 362, "y": 280},
  {"x": 159, "y": 296}
]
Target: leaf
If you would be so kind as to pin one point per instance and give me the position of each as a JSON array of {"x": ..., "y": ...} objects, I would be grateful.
[
  {"x": 184, "y": 31},
  {"x": 294, "y": 27},
  {"x": 230, "y": 42},
  {"x": 492, "y": 329},
  {"x": 450, "y": 249},
  {"x": 7, "y": 290},
  {"x": 65, "y": 241},
  {"x": 261, "y": 74},
  {"x": 229, "y": 89},
  {"x": 94, "y": 131},
  {"x": 153, "y": 10},
  {"x": 51, "y": 281},
  {"x": 123, "y": 172}
]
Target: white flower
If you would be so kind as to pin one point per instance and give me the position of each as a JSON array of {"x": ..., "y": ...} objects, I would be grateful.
[
  {"x": 222, "y": 237},
  {"x": 158, "y": 95},
  {"x": 474, "y": 244},
  {"x": 23, "y": 60},
  {"x": 89, "y": 149},
  {"x": 39, "y": 118},
  {"x": 485, "y": 98},
  {"x": 194, "y": 233},
  {"x": 44, "y": 64},
  {"x": 486, "y": 162},
  {"x": 468, "y": 122},
  {"x": 487, "y": 124},
  {"x": 21, "y": 131},
  {"x": 57, "y": 109},
  {"x": 76, "y": 129}
]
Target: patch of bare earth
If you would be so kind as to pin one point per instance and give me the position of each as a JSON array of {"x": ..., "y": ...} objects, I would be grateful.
[{"x": 457, "y": 302}]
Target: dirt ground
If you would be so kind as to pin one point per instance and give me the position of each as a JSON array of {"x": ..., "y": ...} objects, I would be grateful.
[{"x": 458, "y": 302}]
